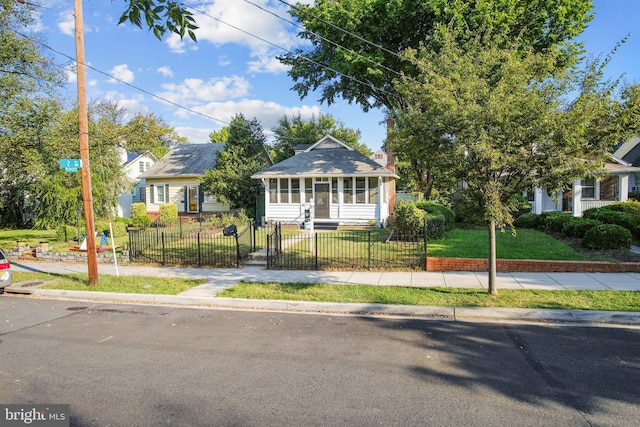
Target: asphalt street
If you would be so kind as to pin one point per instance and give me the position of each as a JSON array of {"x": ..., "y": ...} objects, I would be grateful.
[{"x": 146, "y": 365}]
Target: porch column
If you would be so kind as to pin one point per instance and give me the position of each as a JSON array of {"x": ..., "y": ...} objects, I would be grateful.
[
  {"x": 577, "y": 198},
  {"x": 537, "y": 200},
  {"x": 623, "y": 188}
]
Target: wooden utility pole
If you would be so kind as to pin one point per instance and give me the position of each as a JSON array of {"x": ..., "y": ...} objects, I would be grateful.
[{"x": 83, "y": 125}]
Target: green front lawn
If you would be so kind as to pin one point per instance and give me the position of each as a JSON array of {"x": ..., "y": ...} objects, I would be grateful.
[{"x": 526, "y": 244}]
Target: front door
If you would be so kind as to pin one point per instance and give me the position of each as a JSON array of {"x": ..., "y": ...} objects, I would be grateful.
[
  {"x": 192, "y": 200},
  {"x": 322, "y": 200}
]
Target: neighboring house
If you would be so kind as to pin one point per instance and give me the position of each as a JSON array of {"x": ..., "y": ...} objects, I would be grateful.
[
  {"x": 134, "y": 165},
  {"x": 630, "y": 153},
  {"x": 337, "y": 183},
  {"x": 610, "y": 187},
  {"x": 380, "y": 157},
  {"x": 176, "y": 179}
]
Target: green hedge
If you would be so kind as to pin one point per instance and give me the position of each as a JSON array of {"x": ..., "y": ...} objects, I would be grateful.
[
  {"x": 607, "y": 215},
  {"x": 437, "y": 209},
  {"x": 578, "y": 227},
  {"x": 607, "y": 236},
  {"x": 528, "y": 220}
]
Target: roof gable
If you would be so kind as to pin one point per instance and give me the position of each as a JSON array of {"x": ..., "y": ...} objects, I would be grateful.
[
  {"x": 326, "y": 142},
  {"x": 327, "y": 157},
  {"x": 190, "y": 160}
]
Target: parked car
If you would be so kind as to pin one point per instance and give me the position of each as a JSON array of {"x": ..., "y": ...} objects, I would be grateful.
[{"x": 5, "y": 272}]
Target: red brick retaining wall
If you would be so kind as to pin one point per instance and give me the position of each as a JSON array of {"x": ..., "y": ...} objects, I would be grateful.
[{"x": 527, "y": 265}]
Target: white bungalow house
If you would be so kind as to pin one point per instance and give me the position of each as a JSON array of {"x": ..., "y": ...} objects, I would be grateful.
[
  {"x": 338, "y": 184},
  {"x": 176, "y": 179},
  {"x": 133, "y": 165},
  {"x": 610, "y": 187}
]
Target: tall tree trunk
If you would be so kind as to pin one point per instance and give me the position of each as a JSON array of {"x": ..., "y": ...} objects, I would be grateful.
[{"x": 492, "y": 288}]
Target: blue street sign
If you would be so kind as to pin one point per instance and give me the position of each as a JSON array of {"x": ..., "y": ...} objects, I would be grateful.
[{"x": 70, "y": 165}]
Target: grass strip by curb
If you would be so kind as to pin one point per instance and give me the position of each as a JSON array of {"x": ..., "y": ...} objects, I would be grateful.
[{"x": 457, "y": 297}]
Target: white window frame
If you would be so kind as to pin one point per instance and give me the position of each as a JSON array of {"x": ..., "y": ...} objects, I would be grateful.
[{"x": 165, "y": 197}]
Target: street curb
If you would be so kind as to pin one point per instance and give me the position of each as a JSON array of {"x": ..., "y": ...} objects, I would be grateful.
[{"x": 411, "y": 311}]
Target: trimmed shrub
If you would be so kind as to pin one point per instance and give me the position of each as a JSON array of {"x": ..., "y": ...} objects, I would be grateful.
[
  {"x": 139, "y": 217},
  {"x": 542, "y": 218},
  {"x": 407, "y": 218},
  {"x": 437, "y": 209},
  {"x": 631, "y": 207},
  {"x": 556, "y": 222},
  {"x": 528, "y": 220},
  {"x": 168, "y": 214},
  {"x": 623, "y": 219},
  {"x": 138, "y": 209},
  {"x": 436, "y": 226},
  {"x": 607, "y": 236},
  {"x": 577, "y": 227}
]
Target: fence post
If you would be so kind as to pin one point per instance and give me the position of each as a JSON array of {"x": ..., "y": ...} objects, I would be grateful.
[
  {"x": 163, "y": 251},
  {"x": 199, "y": 252},
  {"x": 369, "y": 249},
  {"x": 130, "y": 245},
  {"x": 316, "y": 239},
  {"x": 426, "y": 240}
]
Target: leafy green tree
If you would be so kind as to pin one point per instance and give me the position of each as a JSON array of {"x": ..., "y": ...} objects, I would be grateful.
[
  {"x": 160, "y": 16},
  {"x": 150, "y": 133},
  {"x": 292, "y": 131},
  {"x": 360, "y": 63},
  {"x": 495, "y": 118},
  {"x": 245, "y": 153},
  {"x": 28, "y": 104},
  {"x": 219, "y": 135},
  {"x": 355, "y": 48},
  {"x": 58, "y": 194}
]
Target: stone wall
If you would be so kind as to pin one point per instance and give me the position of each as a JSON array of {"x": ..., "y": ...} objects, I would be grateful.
[{"x": 44, "y": 254}]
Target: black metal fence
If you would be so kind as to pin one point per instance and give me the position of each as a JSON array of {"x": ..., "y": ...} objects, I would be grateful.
[
  {"x": 380, "y": 249},
  {"x": 182, "y": 245}
]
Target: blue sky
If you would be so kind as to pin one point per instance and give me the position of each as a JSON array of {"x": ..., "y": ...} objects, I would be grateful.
[{"x": 229, "y": 71}]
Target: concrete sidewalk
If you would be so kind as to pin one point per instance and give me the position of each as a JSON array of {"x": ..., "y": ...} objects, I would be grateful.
[{"x": 224, "y": 278}]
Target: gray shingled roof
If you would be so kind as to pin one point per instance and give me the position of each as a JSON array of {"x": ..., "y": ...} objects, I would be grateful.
[
  {"x": 325, "y": 162},
  {"x": 190, "y": 160}
]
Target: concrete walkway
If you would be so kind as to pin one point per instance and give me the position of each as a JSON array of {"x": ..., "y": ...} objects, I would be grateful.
[{"x": 224, "y": 278}]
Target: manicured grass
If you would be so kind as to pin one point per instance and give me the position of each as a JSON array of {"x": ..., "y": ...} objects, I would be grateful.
[
  {"x": 109, "y": 283},
  {"x": 526, "y": 244},
  {"x": 566, "y": 300},
  {"x": 9, "y": 238}
]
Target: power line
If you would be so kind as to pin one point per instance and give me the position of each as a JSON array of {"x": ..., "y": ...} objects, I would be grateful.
[
  {"x": 325, "y": 39},
  {"x": 304, "y": 57},
  {"x": 351, "y": 33}
]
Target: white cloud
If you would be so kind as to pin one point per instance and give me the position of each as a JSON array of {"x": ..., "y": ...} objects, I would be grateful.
[
  {"x": 165, "y": 71},
  {"x": 230, "y": 21},
  {"x": 267, "y": 64},
  {"x": 122, "y": 73},
  {"x": 195, "y": 135},
  {"x": 175, "y": 43},
  {"x": 268, "y": 113},
  {"x": 132, "y": 105},
  {"x": 190, "y": 91},
  {"x": 66, "y": 23}
]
